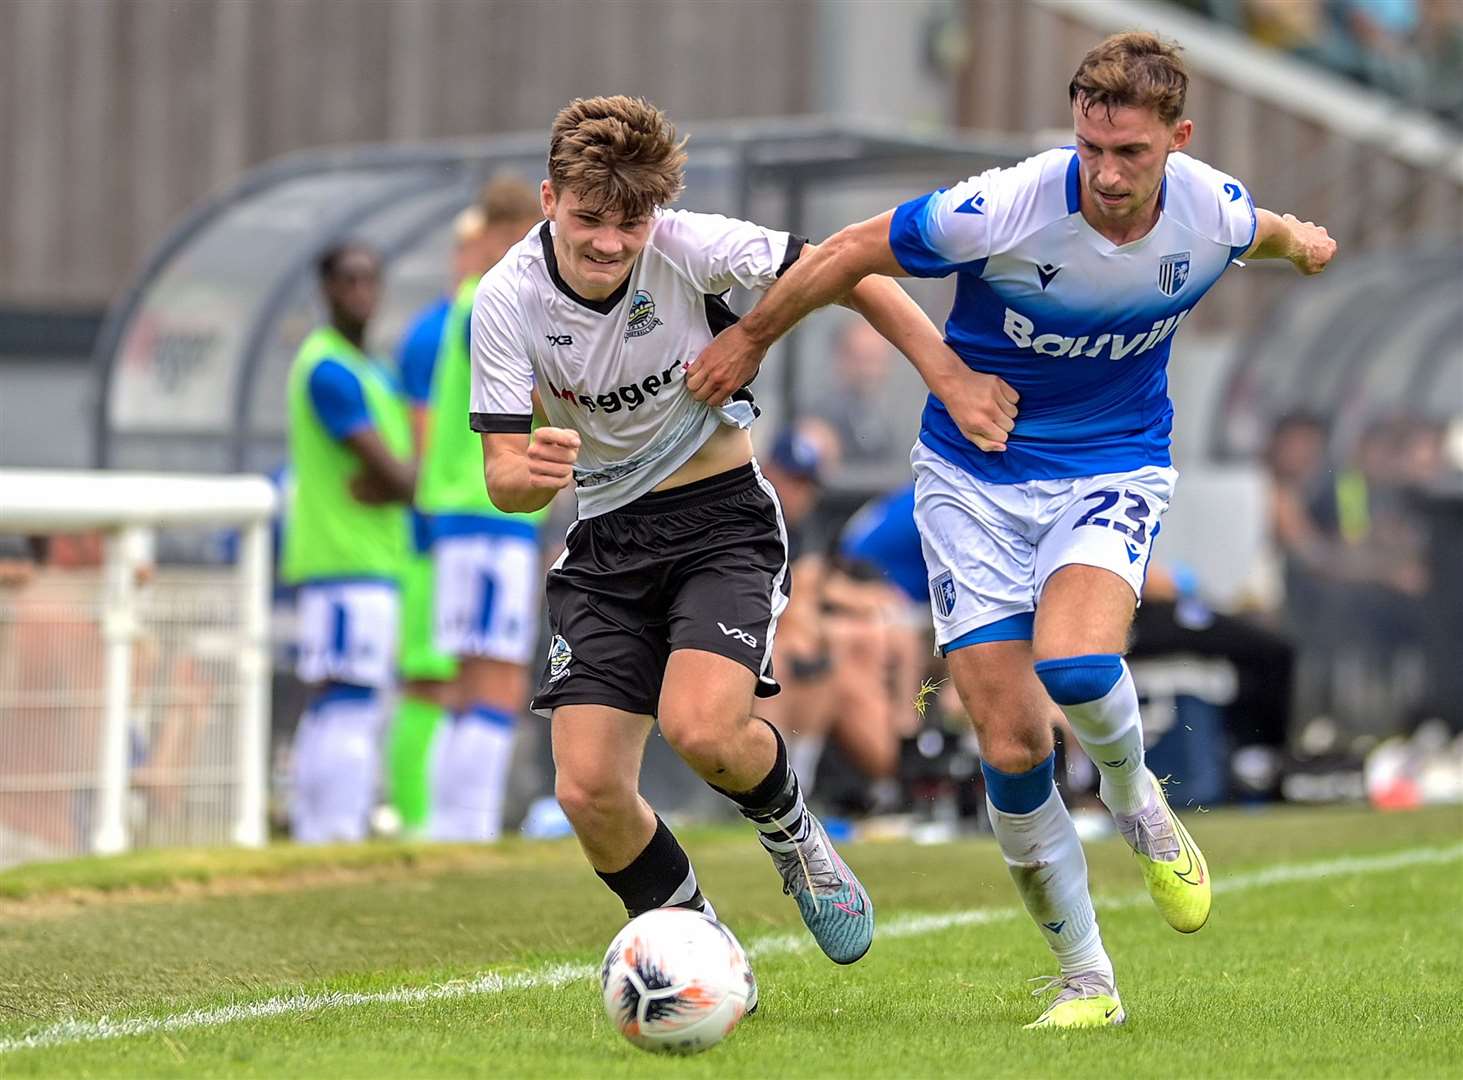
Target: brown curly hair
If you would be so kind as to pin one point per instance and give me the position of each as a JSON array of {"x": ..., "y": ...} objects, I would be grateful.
[
  {"x": 1132, "y": 70},
  {"x": 618, "y": 154}
]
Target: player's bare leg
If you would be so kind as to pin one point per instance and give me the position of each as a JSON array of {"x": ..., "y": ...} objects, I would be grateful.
[
  {"x": 1013, "y": 718},
  {"x": 1081, "y": 630},
  {"x": 706, "y": 716},
  {"x": 597, "y": 756}
]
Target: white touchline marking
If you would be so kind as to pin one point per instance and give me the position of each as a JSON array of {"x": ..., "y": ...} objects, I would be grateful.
[{"x": 68, "y": 1032}]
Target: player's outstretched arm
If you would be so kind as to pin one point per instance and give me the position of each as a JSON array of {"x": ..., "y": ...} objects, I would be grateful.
[
  {"x": 524, "y": 472},
  {"x": 983, "y": 406},
  {"x": 855, "y": 268},
  {"x": 820, "y": 276},
  {"x": 1306, "y": 245}
]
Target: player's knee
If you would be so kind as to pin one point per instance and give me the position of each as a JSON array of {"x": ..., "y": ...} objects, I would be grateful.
[
  {"x": 1073, "y": 680},
  {"x": 594, "y": 798},
  {"x": 699, "y": 739},
  {"x": 1016, "y": 752}
]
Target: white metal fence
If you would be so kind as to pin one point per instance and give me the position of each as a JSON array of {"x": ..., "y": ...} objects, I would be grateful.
[{"x": 133, "y": 699}]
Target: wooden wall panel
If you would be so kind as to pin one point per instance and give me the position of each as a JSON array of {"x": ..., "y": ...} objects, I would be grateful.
[{"x": 117, "y": 115}]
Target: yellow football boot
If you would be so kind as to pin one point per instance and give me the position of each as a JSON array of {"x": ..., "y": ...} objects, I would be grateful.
[
  {"x": 1173, "y": 866},
  {"x": 1085, "y": 1000}
]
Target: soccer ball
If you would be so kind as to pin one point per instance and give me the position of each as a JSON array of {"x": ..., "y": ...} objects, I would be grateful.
[{"x": 675, "y": 981}]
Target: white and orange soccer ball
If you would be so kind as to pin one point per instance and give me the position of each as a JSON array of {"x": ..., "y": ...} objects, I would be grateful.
[{"x": 675, "y": 981}]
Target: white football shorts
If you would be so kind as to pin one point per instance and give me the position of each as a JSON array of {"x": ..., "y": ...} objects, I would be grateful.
[
  {"x": 347, "y": 632},
  {"x": 990, "y": 548},
  {"x": 488, "y": 597}
]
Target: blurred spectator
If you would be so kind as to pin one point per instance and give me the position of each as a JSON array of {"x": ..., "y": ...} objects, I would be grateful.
[
  {"x": 855, "y": 405},
  {"x": 1296, "y": 461},
  {"x": 1412, "y": 49},
  {"x": 883, "y": 534},
  {"x": 839, "y": 646},
  {"x": 345, "y": 543},
  {"x": 1174, "y": 620},
  {"x": 1385, "y": 33},
  {"x": 52, "y": 684},
  {"x": 483, "y": 588},
  {"x": 427, "y": 674},
  {"x": 1355, "y": 547},
  {"x": 1441, "y": 38}
]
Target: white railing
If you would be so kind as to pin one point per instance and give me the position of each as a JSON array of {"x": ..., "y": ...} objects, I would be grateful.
[{"x": 134, "y": 701}]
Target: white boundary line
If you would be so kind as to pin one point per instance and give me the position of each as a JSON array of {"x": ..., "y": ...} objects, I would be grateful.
[{"x": 553, "y": 976}]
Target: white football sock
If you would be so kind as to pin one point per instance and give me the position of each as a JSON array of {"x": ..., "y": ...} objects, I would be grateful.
[
  {"x": 335, "y": 770},
  {"x": 803, "y": 754},
  {"x": 471, "y": 778},
  {"x": 1111, "y": 731},
  {"x": 1046, "y": 862}
]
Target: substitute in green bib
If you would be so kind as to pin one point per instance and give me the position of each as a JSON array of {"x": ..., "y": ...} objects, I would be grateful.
[
  {"x": 346, "y": 539},
  {"x": 427, "y": 673},
  {"x": 487, "y": 563}
]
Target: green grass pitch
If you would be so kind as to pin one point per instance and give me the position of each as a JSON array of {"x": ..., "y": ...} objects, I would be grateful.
[{"x": 1333, "y": 951}]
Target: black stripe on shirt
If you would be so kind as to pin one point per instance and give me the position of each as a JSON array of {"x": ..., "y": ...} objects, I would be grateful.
[
  {"x": 500, "y": 423},
  {"x": 794, "y": 249}
]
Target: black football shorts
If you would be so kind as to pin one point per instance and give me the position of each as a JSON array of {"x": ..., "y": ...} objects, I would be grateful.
[{"x": 703, "y": 566}]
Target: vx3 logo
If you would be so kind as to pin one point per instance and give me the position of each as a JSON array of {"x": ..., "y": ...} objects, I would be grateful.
[
  {"x": 559, "y": 339},
  {"x": 741, "y": 635}
]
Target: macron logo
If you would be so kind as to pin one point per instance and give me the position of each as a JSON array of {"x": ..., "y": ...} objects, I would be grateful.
[
  {"x": 741, "y": 635},
  {"x": 972, "y": 205}
]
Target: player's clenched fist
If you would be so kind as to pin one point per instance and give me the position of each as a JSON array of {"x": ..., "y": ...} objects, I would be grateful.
[
  {"x": 552, "y": 452},
  {"x": 983, "y": 407},
  {"x": 1312, "y": 246}
]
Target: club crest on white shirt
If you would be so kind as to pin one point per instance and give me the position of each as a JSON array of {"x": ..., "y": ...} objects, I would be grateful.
[{"x": 642, "y": 315}]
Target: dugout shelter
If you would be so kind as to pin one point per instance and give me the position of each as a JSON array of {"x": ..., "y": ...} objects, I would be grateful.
[{"x": 192, "y": 358}]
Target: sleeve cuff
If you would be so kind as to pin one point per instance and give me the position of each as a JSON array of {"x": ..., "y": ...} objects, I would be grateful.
[
  {"x": 795, "y": 244},
  {"x": 907, "y": 242},
  {"x": 497, "y": 423}
]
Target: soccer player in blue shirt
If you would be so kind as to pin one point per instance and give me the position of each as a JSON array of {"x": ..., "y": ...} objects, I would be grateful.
[{"x": 1074, "y": 269}]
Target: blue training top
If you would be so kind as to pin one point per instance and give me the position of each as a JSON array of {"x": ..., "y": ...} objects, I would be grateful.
[{"x": 883, "y": 534}]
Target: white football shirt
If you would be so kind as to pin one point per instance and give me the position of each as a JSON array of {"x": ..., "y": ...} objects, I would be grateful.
[{"x": 613, "y": 369}]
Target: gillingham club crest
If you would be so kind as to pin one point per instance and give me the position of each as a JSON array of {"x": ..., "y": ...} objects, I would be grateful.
[
  {"x": 1173, "y": 271},
  {"x": 942, "y": 592},
  {"x": 642, "y": 315}
]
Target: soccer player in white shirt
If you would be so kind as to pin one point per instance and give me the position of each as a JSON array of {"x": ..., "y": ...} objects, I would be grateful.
[
  {"x": 665, "y": 602},
  {"x": 1074, "y": 269}
]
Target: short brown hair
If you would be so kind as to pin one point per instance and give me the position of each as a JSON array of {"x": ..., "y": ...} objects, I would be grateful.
[
  {"x": 617, "y": 154},
  {"x": 1132, "y": 70},
  {"x": 508, "y": 200}
]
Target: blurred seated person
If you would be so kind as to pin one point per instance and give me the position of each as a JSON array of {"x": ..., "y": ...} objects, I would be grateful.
[
  {"x": 854, "y": 402},
  {"x": 1174, "y": 619},
  {"x": 833, "y": 653},
  {"x": 1374, "y": 541},
  {"x": 53, "y": 662},
  {"x": 1170, "y": 620}
]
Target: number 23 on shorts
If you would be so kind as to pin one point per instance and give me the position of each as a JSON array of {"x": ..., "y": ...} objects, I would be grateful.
[{"x": 1123, "y": 509}]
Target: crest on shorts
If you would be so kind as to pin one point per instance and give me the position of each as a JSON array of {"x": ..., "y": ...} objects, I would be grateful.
[
  {"x": 942, "y": 592},
  {"x": 1173, "y": 271},
  {"x": 559, "y": 656},
  {"x": 642, "y": 315}
]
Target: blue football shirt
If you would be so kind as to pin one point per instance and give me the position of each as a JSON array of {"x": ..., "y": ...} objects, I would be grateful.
[{"x": 1079, "y": 326}]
